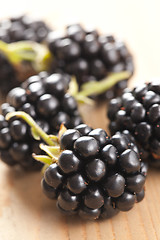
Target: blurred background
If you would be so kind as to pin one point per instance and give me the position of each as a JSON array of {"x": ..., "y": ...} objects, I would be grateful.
[{"x": 136, "y": 22}]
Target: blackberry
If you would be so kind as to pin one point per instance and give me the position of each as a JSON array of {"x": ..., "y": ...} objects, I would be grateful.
[
  {"x": 44, "y": 97},
  {"x": 82, "y": 176},
  {"x": 23, "y": 28},
  {"x": 138, "y": 111},
  {"x": 90, "y": 56}
]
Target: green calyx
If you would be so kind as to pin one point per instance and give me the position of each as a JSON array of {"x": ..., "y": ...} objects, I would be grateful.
[
  {"x": 38, "y": 55},
  {"x": 95, "y": 87},
  {"x": 52, "y": 149}
]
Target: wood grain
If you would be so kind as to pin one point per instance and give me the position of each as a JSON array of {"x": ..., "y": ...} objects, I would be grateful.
[{"x": 25, "y": 213}]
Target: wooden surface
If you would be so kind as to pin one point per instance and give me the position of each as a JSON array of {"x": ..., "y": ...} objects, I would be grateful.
[{"x": 25, "y": 213}]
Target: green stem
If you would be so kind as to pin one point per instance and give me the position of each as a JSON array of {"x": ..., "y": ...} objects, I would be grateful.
[
  {"x": 43, "y": 159},
  {"x": 93, "y": 88},
  {"x": 35, "y": 53},
  {"x": 51, "y": 151},
  {"x": 15, "y": 52},
  {"x": 26, "y": 117}
]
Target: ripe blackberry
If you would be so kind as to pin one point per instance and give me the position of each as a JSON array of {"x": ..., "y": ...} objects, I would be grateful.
[
  {"x": 139, "y": 112},
  {"x": 23, "y": 28},
  {"x": 46, "y": 99},
  {"x": 89, "y": 173},
  {"x": 90, "y": 56}
]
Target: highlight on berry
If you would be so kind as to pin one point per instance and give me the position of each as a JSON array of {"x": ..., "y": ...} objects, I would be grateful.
[
  {"x": 87, "y": 172},
  {"x": 138, "y": 111}
]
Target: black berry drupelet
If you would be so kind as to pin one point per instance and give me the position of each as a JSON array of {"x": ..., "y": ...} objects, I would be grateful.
[
  {"x": 90, "y": 56},
  {"x": 23, "y": 28},
  {"x": 44, "y": 97},
  {"x": 139, "y": 112},
  {"x": 88, "y": 176},
  {"x": 93, "y": 178}
]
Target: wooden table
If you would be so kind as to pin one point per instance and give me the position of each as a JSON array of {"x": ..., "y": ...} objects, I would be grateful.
[{"x": 25, "y": 213}]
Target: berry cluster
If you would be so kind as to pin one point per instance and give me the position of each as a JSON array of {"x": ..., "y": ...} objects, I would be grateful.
[
  {"x": 90, "y": 56},
  {"x": 46, "y": 99},
  {"x": 95, "y": 176},
  {"x": 89, "y": 173},
  {"x": 139, "y": 112},
  {"x": 23, "y": 28}
]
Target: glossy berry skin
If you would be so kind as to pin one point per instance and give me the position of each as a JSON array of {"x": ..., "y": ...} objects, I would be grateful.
[
  {"x": 83, "y": 129},
  {"x": 68, "y": 138},
  {"x": 108, "y": 209},
  {"x": 76, "y": 32},
  {"x": 56, "y": 83},
  {"x": 23, "y": 27},
  {"x": 135, "y": 183},
  {"x": 119, "y": 142},
  {"x": 142, "y": 120},
  {"x": 67, "y": 201},
  {"x": 52, "y": 176},
  {"x": 90, "y": 56},
  {"x": 17, "y": 97},
  {"x": 59, "y": 118},
  {"x": 76, "y": 183},
  {"x": 89, "y": 213},
  {"x": 18, "y": 130},
  {"x": 47, "y": 105},
  {"x": 100, "y": 135},
  {"x": 86, "y": 146},
  {"x": 69, "y": 162},
  {"x": 67, "y": 50},
  {"x": 95, "y": 170},
  {"x": 115, "y": 185},
  {"x": 126, "y": 201},
  {"x": 35, "y": 90},
  {"x": 93, "y": 198},
  {"x": 42, "y": 96},
  {"x": 129, "y": 161},
  {"x": 96, "y": 176},
  {"x": 66, "y": 212},
  {"x": 69, "y": 102},
  {"x": 109, "y": 155}
]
